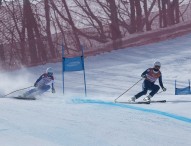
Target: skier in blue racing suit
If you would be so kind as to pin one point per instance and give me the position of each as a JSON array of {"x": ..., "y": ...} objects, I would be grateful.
[
  {"x": 150, "y": 76},
  {"x": 42, "y": 84}
]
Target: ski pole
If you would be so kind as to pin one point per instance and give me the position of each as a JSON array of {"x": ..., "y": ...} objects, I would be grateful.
[
  {"x": 15, "y": 91},
  {"x": 128, "y": 89},
  {"x": 160, "y": 92}
]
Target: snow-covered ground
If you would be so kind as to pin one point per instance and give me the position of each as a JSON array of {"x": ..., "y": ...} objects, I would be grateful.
[{"x": 75, "y": 120}]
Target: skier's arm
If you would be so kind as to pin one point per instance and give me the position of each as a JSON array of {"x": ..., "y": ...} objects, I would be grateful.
[
  {"x": 35, "y": 84},
  {"x": 52, "y": 85},
  {"x": 53, "y": 89},
  {"x": 161, "y": 84},
  {"x": 143, "y": 75}
]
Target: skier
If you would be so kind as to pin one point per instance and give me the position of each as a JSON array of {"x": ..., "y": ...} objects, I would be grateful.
[
  {"x": 150, "y": 76},
  {"x": 42, "y": 84}
]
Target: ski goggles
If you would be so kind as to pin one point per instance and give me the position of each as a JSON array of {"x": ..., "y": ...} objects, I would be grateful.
[
  {"x": 50, "y": 74},
  {"x": 156, "y": 66}
]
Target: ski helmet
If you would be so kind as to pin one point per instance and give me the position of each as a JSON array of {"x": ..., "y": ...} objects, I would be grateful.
[
  {"x": 157, "y": 63},
  {"x": 49, "y": 71}
]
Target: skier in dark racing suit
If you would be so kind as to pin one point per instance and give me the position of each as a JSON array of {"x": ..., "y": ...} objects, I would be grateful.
[{"x": 150, "y": 76}]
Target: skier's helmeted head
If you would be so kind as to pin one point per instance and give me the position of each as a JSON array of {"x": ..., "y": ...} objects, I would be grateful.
[
  {"x": 49, "y": 71},
  {"x": 157, "y": 66}
]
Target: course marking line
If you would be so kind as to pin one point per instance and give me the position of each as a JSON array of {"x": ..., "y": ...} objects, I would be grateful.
[{"x": 177, "y": 117}]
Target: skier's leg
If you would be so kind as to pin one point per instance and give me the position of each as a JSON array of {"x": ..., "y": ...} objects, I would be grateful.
[
  {"x": 144, "y": 91},
  {"x": 44, "y": 89},
  {"x": 154, "y": 90},
  {"x": 30, "y": 92}
]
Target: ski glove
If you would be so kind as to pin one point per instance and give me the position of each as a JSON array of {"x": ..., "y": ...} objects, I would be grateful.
[
  {"x": 53, "y": 90},
  {"x": 35, "y": 84},
  {"x": 143, "y": 76},
  {"x": 164, "y": 89}
]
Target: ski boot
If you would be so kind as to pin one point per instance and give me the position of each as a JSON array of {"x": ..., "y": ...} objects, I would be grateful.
[
  {"x": 132, "y": 99},
  {"x": 148, "y": 98}
]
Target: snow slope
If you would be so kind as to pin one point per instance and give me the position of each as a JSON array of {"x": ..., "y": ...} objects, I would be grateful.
[{"x": 75, "y": 120}]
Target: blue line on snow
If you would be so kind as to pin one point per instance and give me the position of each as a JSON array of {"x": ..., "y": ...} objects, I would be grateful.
[{"x": 181, "y": 118}]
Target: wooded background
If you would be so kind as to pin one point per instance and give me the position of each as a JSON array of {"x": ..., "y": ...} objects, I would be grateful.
[{"x": 32, "y": 31}]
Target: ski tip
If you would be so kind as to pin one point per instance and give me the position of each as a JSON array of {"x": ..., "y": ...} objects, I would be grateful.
[
  {"x": 136, "y": 102},
  {"x": 159, "y": 101},
  {"x": 24, "y": 98}
]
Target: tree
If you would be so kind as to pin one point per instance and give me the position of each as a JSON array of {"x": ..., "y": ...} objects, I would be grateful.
[
  {"x": 48, "y": 32},
  {"x": 2, "y": 53},
  {"x": 36, "y": 46},
  {"x": 114, "y": 26},
  {"x": 110, "y": 9},
  {"x": 68, "y": 18},
  {"x": 173, "y": 7},
  {"x": 92, "y": 20},
  {"x": 12, "y": 32},
  {"x": 168, "y": 12},
  {"x": 138, "y": 16},
  {"x": 177, "y": 11}
]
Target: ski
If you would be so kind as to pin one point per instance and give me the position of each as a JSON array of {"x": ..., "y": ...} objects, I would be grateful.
[
  {"x": 155, "y": 101},
  {"x": 136, "y": 102},
  {"x": 25, "y": 98}
]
